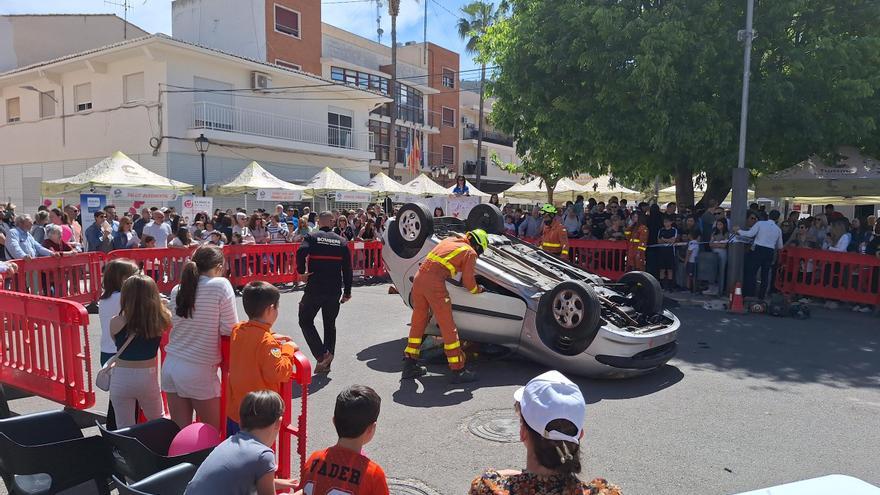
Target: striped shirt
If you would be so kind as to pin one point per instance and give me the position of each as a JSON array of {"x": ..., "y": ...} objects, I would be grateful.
[
  {"x": 197, "y": 339},
  {"x": 277, "y": 233}
]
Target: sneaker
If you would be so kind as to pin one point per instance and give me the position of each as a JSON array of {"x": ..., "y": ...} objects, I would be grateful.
[
  {"x": 831, "y": 305},
  {"x": 463, "y": 376},
  {"x": 804, "y": 300},
  {"x": 412, "y": 369},
  {"x": 710, "y": 292},
  {"x": 865, "y": 309},
  {"x": 856, "y": 308}
]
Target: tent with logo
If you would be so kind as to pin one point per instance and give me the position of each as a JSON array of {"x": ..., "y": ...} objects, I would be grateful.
[
  {"x": 383, "y": 185},
  {"x": 536, "y": 191},
  {"x": 117, "y": 172},
  {"x": 424, "y": 186},
  {"x": 855, "y": 178}
]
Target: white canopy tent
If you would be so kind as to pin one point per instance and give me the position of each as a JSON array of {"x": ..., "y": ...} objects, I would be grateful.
[
  {"x": 424, "y": 186},
  {"x": 604, "y": 186},
  {"x": 383, "y": 185},
  {"x": 536, "y": 190},
  {"x": 473, "y": 191},
  {"x": 250, "y": 180},
  {"x": 667, "y": 194},
  {"x": 117, "y": 171},
  {"x": 855, "y": 178},
  {"x": 328, "y": 181}
]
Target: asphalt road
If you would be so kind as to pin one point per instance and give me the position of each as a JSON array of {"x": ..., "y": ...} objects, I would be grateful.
[{"x": 749, "y": 402}]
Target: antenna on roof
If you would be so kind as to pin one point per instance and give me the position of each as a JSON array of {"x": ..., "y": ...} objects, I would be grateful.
[
  {"x": 379, "y": 30},
  {"x": 126, "y": 6}
]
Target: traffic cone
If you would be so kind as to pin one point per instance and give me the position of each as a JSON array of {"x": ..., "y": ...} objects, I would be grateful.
[{"x": 736, "y": 300}]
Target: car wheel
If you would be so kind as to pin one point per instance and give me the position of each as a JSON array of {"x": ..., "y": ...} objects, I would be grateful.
[
  {"x": 487, "y": 217},
  {"x": 568, "y": 317},
  {"x": 644, "y": 293},
  {"x": 408, "y": 232}
]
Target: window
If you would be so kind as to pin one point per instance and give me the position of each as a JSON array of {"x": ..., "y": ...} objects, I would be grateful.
[
  {"x": 339, "y": 128},
  {"x": 287, "y": 65},
  {"x": 448, "y": 78},
  {"x": 133, "y": 87},
  {"x": 448, "y": 117},
  {"x": 13, "y": 110},
  {"x": 360, "y": 79},
  {"x": 82, "y": 97},
  {"x": 448, "y": 155},
  {"x": 286, "y": 21},
  {"x": 47, "y": 104}
]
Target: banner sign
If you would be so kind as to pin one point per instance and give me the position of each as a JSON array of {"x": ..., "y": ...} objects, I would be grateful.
[
  {"x": 460, "y": 206},
  {"x": 193, "y": 205},
  {"x": 145, "y": 195},
  {"x": 92, "y": 202},
  {"x": 276, "y": 195},
  {"x": 353, "y": 197}
]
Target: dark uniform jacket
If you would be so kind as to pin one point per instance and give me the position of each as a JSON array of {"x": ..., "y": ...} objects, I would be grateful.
[{"x": 329, "y": 262}]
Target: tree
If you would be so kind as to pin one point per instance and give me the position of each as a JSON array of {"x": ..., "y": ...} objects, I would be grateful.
[
  {"x": 541, "y": 160},
  {"x": 480, "y": 15},
  {"x": 650, "y": 87}
]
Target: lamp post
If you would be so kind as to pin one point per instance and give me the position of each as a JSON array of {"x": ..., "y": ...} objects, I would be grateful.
[{"x": 202, "y": 144}]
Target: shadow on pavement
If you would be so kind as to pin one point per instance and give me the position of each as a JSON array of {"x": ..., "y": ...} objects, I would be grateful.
[
  {"x": 835, "y": 348},
  {"x": 435, "y": 390}
]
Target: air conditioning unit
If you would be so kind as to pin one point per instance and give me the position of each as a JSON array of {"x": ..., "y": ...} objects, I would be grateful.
[{"x": 260, "y": 81}]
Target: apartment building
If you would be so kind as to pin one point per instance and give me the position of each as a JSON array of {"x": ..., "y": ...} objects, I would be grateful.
[
  {"x": 289, "y": 33},
  {"x": 493, "y": 178},
  {"x": 151, "y": 97}
]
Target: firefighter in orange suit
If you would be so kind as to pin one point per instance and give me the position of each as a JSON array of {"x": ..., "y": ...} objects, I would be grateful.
[
  {"x": 451, "y": 256},
  {"x": 638, "y": 244},
  {"x": 554, "y": 238}
]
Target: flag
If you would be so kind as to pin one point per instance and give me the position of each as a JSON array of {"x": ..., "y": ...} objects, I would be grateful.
[
  {"x": 417, "y": 152},
  {"x": 408, "y": 153}
]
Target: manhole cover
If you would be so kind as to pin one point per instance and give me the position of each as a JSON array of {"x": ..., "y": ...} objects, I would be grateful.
[
  {"x": 496, "y": 425},
  {"x": 398, "y": 486}
]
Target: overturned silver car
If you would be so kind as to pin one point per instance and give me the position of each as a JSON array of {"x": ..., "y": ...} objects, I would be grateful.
[{"x": 536, "y": 305}]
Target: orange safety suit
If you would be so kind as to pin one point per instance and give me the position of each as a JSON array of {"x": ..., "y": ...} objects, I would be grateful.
[
  {"x": 554, "y": 239},
  {"x": 638, "y": 244},
  {"x": 452, "y": 256}
]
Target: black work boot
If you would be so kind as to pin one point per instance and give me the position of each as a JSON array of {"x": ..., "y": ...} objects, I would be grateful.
[
  {"x": 412, "y": 369},
  {"x": 463, "y": 376}
]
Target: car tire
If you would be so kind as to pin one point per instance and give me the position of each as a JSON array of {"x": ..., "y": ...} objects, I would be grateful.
[
  {"x": 408, "y": 232},
  {"x": 644, "y": 292},
  {"x": 568, "y": 317},
  {"x": 487, "y": 217}
]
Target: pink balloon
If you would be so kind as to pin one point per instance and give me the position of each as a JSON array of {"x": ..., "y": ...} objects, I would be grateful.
[
  {"x": 47, "y": 202},
  {"x": 195, "y": 437}
]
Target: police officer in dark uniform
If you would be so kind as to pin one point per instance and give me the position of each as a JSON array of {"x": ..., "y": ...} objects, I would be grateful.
[{"x": 328, "y": 284}]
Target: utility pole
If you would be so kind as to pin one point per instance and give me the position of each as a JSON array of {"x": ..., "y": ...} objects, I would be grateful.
[
  {"x": 126, "y": 6},
  {"x": 479, "y": 177},
  {"x": 741, "y": 173},
  {"x": 393, "y": 11}
]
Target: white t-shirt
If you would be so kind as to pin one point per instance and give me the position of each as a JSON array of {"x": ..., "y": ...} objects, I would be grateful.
[
  {"x": 197, "y": 339},
  {"x": 693, "y": 250},
  {"x": 107, "y": 309},
  {"x": 159, "y": 232}
]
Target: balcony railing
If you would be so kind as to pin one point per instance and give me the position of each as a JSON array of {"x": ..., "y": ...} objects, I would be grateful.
[
  {"x": 219, "y": 117},
  {"x": 488, "y": 136}
]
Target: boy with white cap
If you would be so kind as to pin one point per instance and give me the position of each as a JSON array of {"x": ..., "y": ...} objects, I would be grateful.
[{"x": 552, "y": 410}]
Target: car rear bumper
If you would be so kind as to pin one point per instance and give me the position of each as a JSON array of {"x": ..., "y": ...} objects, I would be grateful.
[{"x": 645, "y": 360}]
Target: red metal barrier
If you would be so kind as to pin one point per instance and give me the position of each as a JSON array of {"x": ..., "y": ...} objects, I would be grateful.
[
  {"x": 847, "y": 277},
  {"x": 44, "y": 348},
  {"x": 302, "y": 376},
  {"x": 366, "y": 259},
  {"x": 72, "y": 278},
  {"x": 273, "y": 263},
  {"x": 605, "y": 258},
  {"x": 164, "y": 265}
]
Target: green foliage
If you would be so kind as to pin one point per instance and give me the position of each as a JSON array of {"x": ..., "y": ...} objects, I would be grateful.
[{"x": 653, "y": 87}]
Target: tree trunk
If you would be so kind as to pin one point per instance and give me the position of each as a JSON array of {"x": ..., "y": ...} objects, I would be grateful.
[
  {"x": 717, "y": 187},
  {"x": 392, "y": 138},
  {"x": 684, "y": 184},
  {"x": 480, "y": 130}
]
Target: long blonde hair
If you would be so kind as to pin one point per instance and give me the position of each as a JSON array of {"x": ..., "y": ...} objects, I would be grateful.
[{"x": 145, "y": 313}]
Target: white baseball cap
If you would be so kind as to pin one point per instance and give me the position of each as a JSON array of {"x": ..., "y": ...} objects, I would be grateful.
[{"x": 549, "y": 397}]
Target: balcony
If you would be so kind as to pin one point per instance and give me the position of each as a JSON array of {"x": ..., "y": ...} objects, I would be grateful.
[
  {"x": 488, "y": 136},
  {"x": 415, "y": 116},
  {"x": 470, "y": 167},
  {"x": 229, "y": 123}
]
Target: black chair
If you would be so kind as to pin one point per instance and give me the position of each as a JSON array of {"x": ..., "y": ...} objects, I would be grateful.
[
  {"x": 171, "y": 481},
  {"x": 142, "y": 450},
  {"x": 46, "y": 453}
]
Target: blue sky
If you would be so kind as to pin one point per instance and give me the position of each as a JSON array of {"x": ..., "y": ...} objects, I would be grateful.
[{"x": 357, "y": 16}]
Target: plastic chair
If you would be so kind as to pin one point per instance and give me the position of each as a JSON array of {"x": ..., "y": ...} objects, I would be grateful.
[
  {"x": 171, "y": 481},
  {"x": 142, "y": 450},
  {"x": 46, "y": 453}
]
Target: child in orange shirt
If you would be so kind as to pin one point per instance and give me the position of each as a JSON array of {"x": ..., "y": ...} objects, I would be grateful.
[
  {"x": 258, "y": 359},
  {"x": 342, "y": 468}
]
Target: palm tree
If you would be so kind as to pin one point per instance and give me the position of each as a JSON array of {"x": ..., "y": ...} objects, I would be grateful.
[
  {"x": 393, "y": 11},
  {"x": 479, "y": 15}
]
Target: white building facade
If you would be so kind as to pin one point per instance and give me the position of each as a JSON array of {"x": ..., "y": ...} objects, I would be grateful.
[
  {"x": 502, "y": 146},
  {"x": 151, "y": 97}
]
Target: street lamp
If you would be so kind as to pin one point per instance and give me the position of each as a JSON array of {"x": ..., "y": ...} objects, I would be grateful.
[
  {"x": 202, "y": 144},
  {"x": 31, "y": 88}
]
